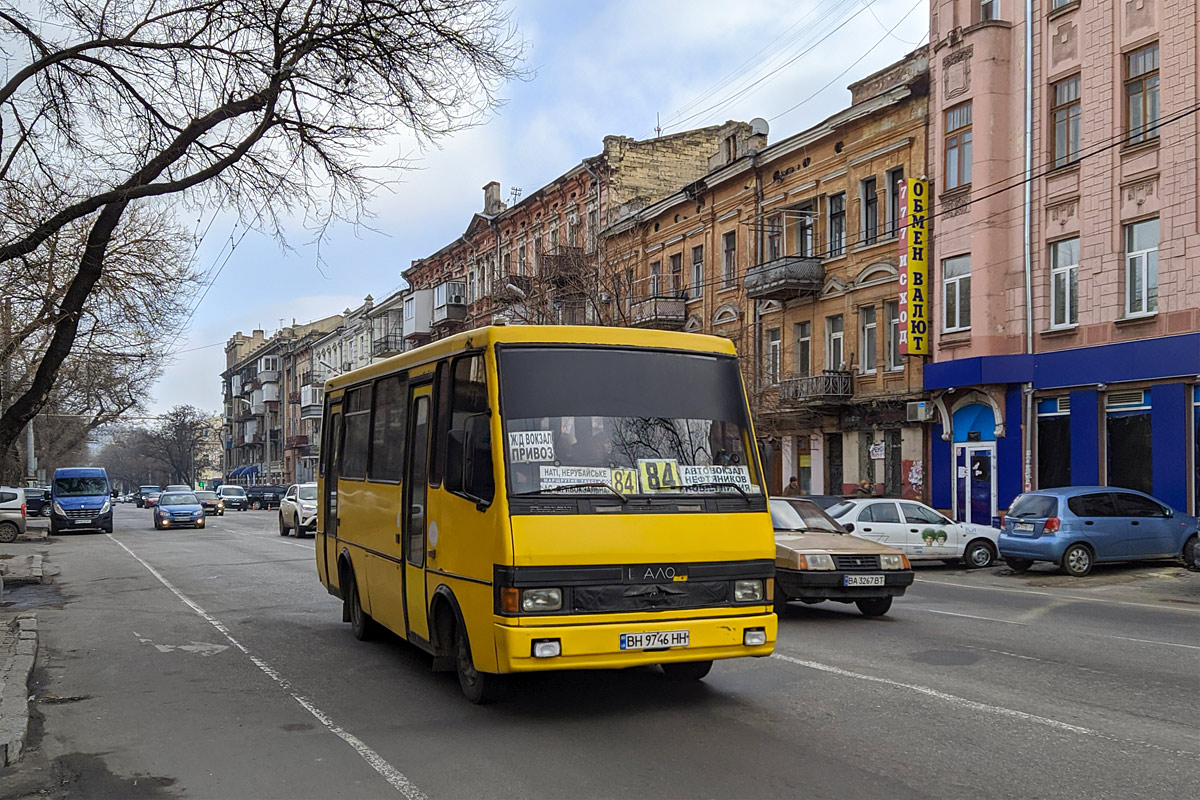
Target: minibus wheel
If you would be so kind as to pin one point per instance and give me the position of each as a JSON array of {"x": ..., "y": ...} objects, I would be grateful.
[
  {"x": 361, "y": 623},
  {"x": 686, "y": 670},
  {"x": 480, "y": 688}
]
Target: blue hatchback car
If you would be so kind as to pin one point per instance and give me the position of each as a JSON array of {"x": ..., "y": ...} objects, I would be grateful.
[
  {"x": 1079, "y": 526},
  {"x": 178, "y": 510}
]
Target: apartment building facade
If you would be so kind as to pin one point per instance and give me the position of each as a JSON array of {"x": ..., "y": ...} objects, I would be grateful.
[
  {"x": 1068, "y": 342},
  {"x": 790, "y": 250},
  {"x": 537, "y": 261}
]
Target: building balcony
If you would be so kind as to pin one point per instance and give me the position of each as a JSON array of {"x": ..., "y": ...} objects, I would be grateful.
[
  {"x": 663, "y": 313},
  {"x": 294, "y": 398},
  {"x": 307, "y": 451},
  {"x": 449, "y": 303},
  {"x": 244, "y": 414},
  {"x": 268, "y": 376},
  {"x": 312, "y": 402},
  {"x": 388, "y": 345},
  {"x": 295, "y": 441},
  {"x": 829, "y": 388},
  {"x": 785, "y": 278},
  {"x": 566, "y": 265},
  {"x": 258, "y": 409}
]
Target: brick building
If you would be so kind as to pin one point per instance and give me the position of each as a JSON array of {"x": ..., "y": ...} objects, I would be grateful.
[
  {"x": 1068, "y": 344},
  {"x": 790, "y": 250}
]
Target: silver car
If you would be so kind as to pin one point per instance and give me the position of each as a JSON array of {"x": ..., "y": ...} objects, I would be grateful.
[
  {"x": 298, "y": 510},
  {"x": 12, "y": 513}
]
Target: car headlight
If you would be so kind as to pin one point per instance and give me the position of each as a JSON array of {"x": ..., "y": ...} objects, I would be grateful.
[
  {"x": 59, "y": 509},
  {"x": 893, "y": 562},
  {"x": 816, "y": 561},
  {"x": 308, "y": 508},
  {"x": 199, "y": 513},
  {"x": 104, "y": 508},
  {"x": 748, "y": 591},
  {"x": 220, "y": 504},
  {"x": 541, "y": 599}
]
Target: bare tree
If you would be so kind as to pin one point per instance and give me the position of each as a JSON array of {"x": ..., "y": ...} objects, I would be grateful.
[{"x": 264, "y": 107}]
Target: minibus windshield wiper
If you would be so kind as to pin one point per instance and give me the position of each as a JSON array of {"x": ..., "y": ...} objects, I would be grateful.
[
  {"x": 712, "y": 485},
  {"x": 591, "y": 485}
]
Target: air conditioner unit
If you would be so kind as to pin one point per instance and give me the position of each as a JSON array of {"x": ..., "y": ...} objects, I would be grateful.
[
  {"x": 919, "y": 411},
  {"x": 456, "y": 300}
]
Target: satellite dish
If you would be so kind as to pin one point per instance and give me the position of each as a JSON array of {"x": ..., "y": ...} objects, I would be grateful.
[{"x": 759, "y": 126}]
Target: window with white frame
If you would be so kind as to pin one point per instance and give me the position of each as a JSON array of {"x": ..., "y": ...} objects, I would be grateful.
[
  {"x": 1141, "y": 268},
  {"x": 729, "y": 265},
  {"x": 837, "y": 225},
  {"x": 697, "y": 286},
  {"x": 868, "y": 343},
  {"x": 894, "y": 178},
  {"x": 655, "y": 278},
  {"x": 956, "y": 293},
  {"x": 1064, "y": 282},
  {"x": 891, "y": 313},
  {"x": 521, "y": 260},
  {"x": 802, "y": 348},
  {"x": 989, "y": 10},
  {"x": 771, "y": 372},
  {"x": 410, "y": 307},
  {"x": 870, "y": 211},
  {"x": 958, "y": 146},
  {"x": 834, "y": 338},
  {"x": 803, "y": 230}
]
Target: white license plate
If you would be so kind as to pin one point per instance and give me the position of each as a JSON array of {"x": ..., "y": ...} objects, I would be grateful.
[
  {"x": 652, "y": 640},
  {"x": 1027, "y": 527},
  {"x": 83, "y": 522},
  {"x": 863, "y": 580}
]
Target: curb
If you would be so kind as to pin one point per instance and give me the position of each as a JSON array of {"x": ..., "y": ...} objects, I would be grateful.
[
  {"x": 34, "y": 574},
  {"x": 18, "y": 663}
]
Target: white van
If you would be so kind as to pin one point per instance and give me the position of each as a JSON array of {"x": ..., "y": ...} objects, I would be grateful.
[
  {"x": 233, "y": 496},
  {"x": 12, "y": 513}
]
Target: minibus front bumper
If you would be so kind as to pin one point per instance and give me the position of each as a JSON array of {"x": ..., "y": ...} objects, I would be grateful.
[{"x": 598, "y": 645}]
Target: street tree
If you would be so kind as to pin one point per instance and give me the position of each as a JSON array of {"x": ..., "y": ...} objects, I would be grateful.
[
  {"x": 263, "y": 108},
  {"x": 185, "y": 441}
]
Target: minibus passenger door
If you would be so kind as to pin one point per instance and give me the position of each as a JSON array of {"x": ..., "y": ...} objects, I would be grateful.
[
  {"x": 328, "y": 531},
  {"x": 416, "y": 493}
]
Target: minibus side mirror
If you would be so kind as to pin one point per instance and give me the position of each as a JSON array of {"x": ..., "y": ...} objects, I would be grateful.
[{"x": 478, "y": 479}]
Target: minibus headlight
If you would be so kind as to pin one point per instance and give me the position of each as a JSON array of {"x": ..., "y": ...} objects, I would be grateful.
[
  {"x": 59, "y": 509},
  {"x": 748, "y": 591},
  {"x": 816, "y": 561},
  {"x": 104, "y": 508},
  {"x": 893, "y": 562},
  {"x": 541, "y": 599}
]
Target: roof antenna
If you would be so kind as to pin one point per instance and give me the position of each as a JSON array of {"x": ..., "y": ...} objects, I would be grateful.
[{"x": 657, "y": 126}]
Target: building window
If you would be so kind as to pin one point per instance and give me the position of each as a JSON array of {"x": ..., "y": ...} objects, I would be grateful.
[
  {"x": 730, "y": 148},
  {"x": 521, "y": 260},
  {"x": 833, "y": 342},
  {"x": 894, "y": 178},
  {"x": 802, "y": 349},
  {"x": 958, "y": 146},
  {"x": 697, "y": 287},
  {"x": 956, "y": 293},
  {"x": 729, "y": 265},
  {"x": 837, "y": 225},
  {"x": 868, "y": 345},
  {"x": 677, "y": 275},
  {"x": 1066, "y": 114},
  {"x": 771, "y": 371},
  {"x": 774, "y": 238},
  {"x": 989, "y": 10},
  {"x": 1057, "y": 4},
  {"x": 891, "y": 310},
  {"x": 1141, "y": 268},
  {"x": 803, "y": 231},
  {"x": 1064, "y": 283},
  {"x": 870, "y": 211},
  {"x": 1141, "y": 93},
  {"x": 655, "y": 277}
]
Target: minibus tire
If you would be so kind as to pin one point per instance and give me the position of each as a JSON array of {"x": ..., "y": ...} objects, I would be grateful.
[
  {"x": 480, "y": 688},
  {"x": 686, "y": 670},
  {"x": 361, "y": 624}
]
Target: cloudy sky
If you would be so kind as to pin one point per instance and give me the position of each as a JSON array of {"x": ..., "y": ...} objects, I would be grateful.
[{"x": 597, "y": 68}]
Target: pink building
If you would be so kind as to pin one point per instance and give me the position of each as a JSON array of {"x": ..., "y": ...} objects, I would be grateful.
[{"x": 1067, "y": 349}]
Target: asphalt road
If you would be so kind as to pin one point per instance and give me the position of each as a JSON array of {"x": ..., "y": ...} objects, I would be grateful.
[{"x": 213, "y": 664}]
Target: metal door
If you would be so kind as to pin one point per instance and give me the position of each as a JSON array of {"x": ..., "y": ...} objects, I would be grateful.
[
  {"x": 975, "y": 483},
  {"x": 327, "y": 535},
  {"x": 416, "y": 497}
]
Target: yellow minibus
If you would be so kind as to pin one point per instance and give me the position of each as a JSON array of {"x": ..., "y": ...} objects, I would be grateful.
[{"x": 520, "y": 498}]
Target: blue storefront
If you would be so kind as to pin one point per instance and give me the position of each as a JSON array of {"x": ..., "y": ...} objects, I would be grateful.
[{"x": 1124, "y": 414}]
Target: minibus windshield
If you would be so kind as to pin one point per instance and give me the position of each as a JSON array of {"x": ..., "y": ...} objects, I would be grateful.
[
  {"x": 640, "y": 421},
  {"x": 80, "y": 487}
]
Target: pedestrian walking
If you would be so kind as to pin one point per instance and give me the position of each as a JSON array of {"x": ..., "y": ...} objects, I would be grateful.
[{"x": 793, "y": 488}]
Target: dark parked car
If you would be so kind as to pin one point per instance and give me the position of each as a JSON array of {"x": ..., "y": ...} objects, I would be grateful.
[
  {"x": 211, "y": 502},
  {"x": 37, "y": 502},
  {"x": 265, "y": 495}
]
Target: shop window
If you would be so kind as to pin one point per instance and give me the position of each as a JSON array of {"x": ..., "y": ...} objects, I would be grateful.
[
  {"x": 1129, "y": 450},
  {"x": 1054, "y": 450}
]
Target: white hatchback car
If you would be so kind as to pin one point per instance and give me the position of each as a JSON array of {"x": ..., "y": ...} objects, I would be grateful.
[
  {"x": 918, "y": 531},
  {"x": 298, "y": 509}
]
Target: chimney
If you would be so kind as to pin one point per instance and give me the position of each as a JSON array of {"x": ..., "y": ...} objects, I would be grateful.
[{"x": 491, "y": 199}]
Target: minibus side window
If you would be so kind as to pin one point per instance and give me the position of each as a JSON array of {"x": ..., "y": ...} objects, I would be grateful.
[
  {"x": 468, "y": 441},
  {"x": 387, "y": 430},
  {"x": 441, "y": 408},
  {"x": 358, "y": 433}
]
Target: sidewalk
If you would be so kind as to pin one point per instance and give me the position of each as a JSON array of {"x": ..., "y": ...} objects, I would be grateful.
[{"x": 18, "y": 650}]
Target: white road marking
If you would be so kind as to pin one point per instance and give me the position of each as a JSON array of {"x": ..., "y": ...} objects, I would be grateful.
[
  {"x": 1061, "y": 596},
  {"x": 392, "y": 775},
  {"x": 1147, "y": 641},
  {"x": 972, "y": 705},
  {"x": 203, "y": 648},
  {"x": 280, "y": 539},
  {"x": 972, "y": 616}
]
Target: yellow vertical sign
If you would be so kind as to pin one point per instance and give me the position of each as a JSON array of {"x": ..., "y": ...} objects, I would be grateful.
[{"x": 914, "y": 337}]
